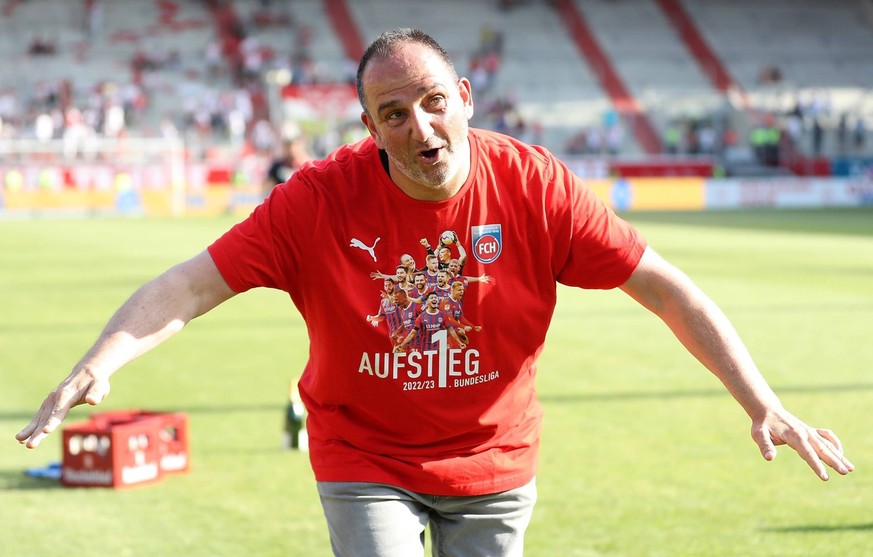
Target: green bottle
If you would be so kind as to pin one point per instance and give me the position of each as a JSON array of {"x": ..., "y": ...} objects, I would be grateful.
[{"x": 295, "y": 421}]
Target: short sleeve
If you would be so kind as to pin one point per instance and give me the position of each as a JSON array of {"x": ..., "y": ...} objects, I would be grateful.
[
  {"x": 602, "y": 249},
  {"x": 245, "y": 255}
]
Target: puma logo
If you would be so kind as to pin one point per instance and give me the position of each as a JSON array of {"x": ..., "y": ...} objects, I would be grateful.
[{"x": 361, "y": 245}]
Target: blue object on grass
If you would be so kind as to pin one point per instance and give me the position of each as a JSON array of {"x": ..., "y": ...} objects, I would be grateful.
[{"x": 51, "y": 472}]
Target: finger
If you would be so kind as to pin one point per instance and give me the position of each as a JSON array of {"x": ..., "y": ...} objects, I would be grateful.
[
  {"x": 51, "y": 424},
  {"x": 97, "y": 392},
  {"x": 50, "y": 417},
  {"x": 54, "y": 409},
  {"x": 27, "y": 431},
  {"x": 37, "y": 422},
  {"x": 832, "y": 455},
  {"x": 832, "y": 437},
  {"x": 810, "y": 454},
  {"x": 765, "y": 443}
]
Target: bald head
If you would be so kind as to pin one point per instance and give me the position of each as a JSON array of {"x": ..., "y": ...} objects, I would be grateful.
[{"x": 387, "y": 45}]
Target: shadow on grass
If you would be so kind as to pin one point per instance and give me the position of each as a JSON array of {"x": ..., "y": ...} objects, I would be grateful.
[
  {"x": 16, "y": 480},
  {"x": 818, "y": 528},
  {"x": 701, "y": 393},
  {"x": 853, "y": 221},
  {"x": 229, "y": 408},
  {"x": 41, "y": 328},
  {"x": 24, "y": 416}
]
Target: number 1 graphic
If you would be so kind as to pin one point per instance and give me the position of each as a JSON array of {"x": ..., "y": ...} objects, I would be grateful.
[{"x": 442, "y": 338}]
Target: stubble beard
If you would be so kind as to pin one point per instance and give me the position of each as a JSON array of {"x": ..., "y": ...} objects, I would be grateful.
[{"x": 432, "y": 175}]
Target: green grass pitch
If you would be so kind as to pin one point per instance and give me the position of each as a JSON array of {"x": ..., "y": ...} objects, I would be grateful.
[{"x": 644, "y": 453}]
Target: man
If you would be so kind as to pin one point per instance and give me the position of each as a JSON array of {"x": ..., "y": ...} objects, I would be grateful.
[
  {"x": 387, "y": 307},
  {"x": 431, "y": 270},
  {"x": 455, "y": 275},
  {"x": 409, "y": 262},
  {"x": 453, "y": 307},
  {"x": 447, "y": 437},
  {"x": 444, "y": 252},
  {"x": 442, "y": 287},
  {"x": 428, "y": 326},
  {"x": 400, "y": 317},
  {"x": 292, "y": 157},
  {"x": 419, "y": 288},
  {"x": 401, "y": 275},
  {"x": 406, "y": 314}
]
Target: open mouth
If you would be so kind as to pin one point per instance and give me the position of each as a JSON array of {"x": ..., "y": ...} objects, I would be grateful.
[{"x": 430, "y": 155}]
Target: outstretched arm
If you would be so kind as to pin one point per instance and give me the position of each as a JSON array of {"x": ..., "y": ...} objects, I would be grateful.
[
  {"x": 380, "y": 275},
  {"x": 480, "y": 278},
  {"x": 462, "y": 253},
  {"x": 707, "y": 334},
  {"x": 155, "y": 312}
]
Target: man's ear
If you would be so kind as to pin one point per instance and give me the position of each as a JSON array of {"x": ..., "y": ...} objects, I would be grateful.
[
  {"x": 466, "y": 91},
  {"x": 371, "y": 127}
]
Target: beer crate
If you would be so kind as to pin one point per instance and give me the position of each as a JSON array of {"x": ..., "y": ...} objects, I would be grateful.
[{"x": 124, "y": 448}]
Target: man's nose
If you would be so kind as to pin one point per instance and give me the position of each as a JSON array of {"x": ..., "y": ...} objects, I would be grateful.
[{"x": 422, "y": 127}]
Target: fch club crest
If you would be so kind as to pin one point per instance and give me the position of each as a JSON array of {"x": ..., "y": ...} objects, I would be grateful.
[{"x": 487, "y": 242}]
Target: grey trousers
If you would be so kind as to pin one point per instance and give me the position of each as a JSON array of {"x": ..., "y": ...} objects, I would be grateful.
[{"x": 377, "y": 520}]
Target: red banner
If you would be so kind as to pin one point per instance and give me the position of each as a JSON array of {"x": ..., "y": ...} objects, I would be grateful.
[{"x": 321, "y": 100}]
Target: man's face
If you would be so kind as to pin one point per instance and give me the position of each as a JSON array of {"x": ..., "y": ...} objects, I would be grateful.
[
  {"x": 442, "y": 278},
  {"x": 418, "y": 113},
  {"x": 295, "y": 152},
  {"x": 419, "y": 282}
]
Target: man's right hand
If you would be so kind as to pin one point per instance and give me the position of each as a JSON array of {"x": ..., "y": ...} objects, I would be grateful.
[{"x": 79, "y": 387}]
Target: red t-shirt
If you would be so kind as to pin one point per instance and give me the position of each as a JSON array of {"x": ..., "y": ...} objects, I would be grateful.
[{"x": 447, "y": 421}]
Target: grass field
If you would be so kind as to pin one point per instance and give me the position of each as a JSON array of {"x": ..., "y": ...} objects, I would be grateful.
[{"x": 644, "y": 454}]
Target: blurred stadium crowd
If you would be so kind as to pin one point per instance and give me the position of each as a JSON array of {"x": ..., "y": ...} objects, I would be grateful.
[{"x": 217, "y": 74}]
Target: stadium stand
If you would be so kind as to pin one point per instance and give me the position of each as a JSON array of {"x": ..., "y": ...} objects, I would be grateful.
[
  {"x": 541, "y": 83},
  {"x": 701, "y": 78},
  {"x": 144, "y": 54}
]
